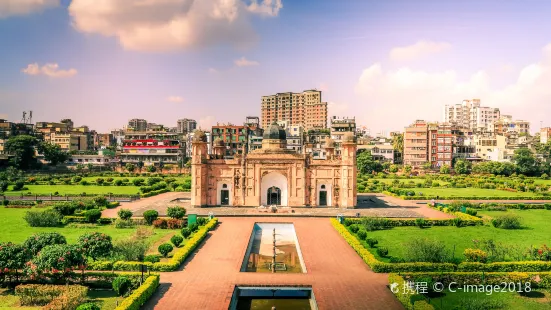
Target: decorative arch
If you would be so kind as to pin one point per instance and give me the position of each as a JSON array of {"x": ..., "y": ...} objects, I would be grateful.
[
  {"x": 327, "y": 188},
  {"x": 224, "y": 186},
  {"x": 274, "y": 180}
]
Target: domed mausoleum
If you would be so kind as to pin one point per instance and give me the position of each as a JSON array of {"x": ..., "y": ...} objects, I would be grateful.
[{"x": 273, "y": 174}]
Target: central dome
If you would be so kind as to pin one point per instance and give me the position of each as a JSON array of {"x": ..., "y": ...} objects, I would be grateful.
[{"x": 274, "y": 132}]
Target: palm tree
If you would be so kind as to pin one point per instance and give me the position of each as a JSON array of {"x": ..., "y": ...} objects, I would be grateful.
[
  {"x": 161, "y": 165},
  {"x": 398, "y": 144},
  {"x": 140, "y": 165}
]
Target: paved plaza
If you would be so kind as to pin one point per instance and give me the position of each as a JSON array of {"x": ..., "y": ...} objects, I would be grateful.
[
  {"x": 376, "y": 205},
  {"x": 338, "y": 276}
]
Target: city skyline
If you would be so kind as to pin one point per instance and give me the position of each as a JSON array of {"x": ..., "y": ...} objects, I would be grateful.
[{"x": 384, "y": 63}]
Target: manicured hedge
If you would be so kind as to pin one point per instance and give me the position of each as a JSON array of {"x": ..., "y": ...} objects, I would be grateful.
[
  {"x": 177, "y": 259},
  {"x": 406, "y": 299},
  {"x": 378, "y": 266},
  {"x": 182, "y": 253},
  {"x": 153, "y": 193},
  {"x": 140, "y": 295},
  {"x": 465, "y": 197},
  {"x": 429, "y": 222}
]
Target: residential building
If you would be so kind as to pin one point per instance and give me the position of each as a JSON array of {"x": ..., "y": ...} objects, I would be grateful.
[
  {"x": 381, "y": 152},
  {"x": 545, "y": 134},
  {"x": 339, "y": 127},
  {"x": 315, "y": 143},
  {"x": 506, "y": 124},
  {"x": 68, "y": 141},
  {"x": 295, "y": 138},
  {"x": 470, "y": 114},
  {"x": 189, "y": 140},
  {"x": 186, "y": 125},
  {"x": 440, "y": 144},
  {"x": 118, "y": 136},
  {"x": 255, "y": 133},
  {"x": 233, "y": 136},
  {"x": 137, "y": 124},
  {"x": 305, "y": 109},
  {"x": 152, "y": 147},
  {"x": 416, "y": 140},
  {"x": 105, "y": 140},
  {"x": 97, "y": 160}
]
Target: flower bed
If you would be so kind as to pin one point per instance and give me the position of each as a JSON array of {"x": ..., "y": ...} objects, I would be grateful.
[{"x": 51, "y": 296}]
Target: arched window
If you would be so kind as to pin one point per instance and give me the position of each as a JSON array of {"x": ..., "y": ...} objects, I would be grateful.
[
  {"x": 323, "y": 187},
  {"x": 224, "y": 185}
]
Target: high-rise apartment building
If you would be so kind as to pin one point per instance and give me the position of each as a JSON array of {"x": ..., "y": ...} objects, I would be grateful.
[
  {"x": 339, "y": 127},
  {"x": 186, "y": 125},
  {"x": 137, "y": 124},
  {"x": 233, "y": 136},
  {"x": 440, "y": 144},
  {"x": 416, "y": 140},
  {"x": 545, "y": 135},
  {"x": 428, "y": 142},
  {"x": 304, "y": 109},
  {"x": 470, "y": 114},
  {"x": 506, "y": 124}
]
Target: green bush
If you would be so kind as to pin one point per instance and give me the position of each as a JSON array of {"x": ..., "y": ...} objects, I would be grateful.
[
  {"x": 382, "y": 252},
  {"x": 420, "y": 222},
  {"x": 426, "y": 250},
  {"x": 65, "y": 208},
  {"x": 153, "y": 258},
  {"x": 471, "y": 211},
  {"x": 92, "y": 216},
  {"x": 371, "y": 242},
  {"x": 177, "y": 240},
  {"x": 475, "y": 255},
  {"x": 121, "y": 285},
  {"x": 202, "y": 221},
  {"x": 176, "y": 212},
  {"x": 507, "y": 221},
  {"x": 140, "y": 295},
  {"x": 18, "y": 185},
  {"x": 124, "y": 214},
  {"x": 150, "y": 216},
  {"x": 165, "y": 248},
  {"x": 193, "y": 227},
  {"x": 46, "y": 218},
  {"x": 38, "y": 241},
  {"x": 354, "y": 228},
  {"x": 120, "y": 223},
  {"x": 362, "y": 234},
  {"x": 118, "y": 182},
  {"x": 88, "y": 306},
  {"x": 95, "y": 244},
  {"x": 457, "y": 222},
  {"x": 186, "y": 232}
]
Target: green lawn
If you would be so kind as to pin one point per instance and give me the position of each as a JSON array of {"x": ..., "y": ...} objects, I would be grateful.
[
  {"x": 74, "y": 189},
  {"x": 93, "y": 179},
  {"x": 536, "y": 300},
  {"x": 537, "y": 232},
  {"x": 15, "y": 229},
  {"x": 470, "y": 192},
  {"x": 406, "y": 181}
]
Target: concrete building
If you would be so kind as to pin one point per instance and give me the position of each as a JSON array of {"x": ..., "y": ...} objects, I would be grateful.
[
  {"x": 295, "y": 138},
  {"x": 137, "y": 124},
  {"x": 186, "y": 125},
  {"x": 233, "y": 136},
  {"x": 315, "y": 143},
  {"x": 506, "y": 124},
  {"x": 545, "y": 134},
  {"x": 381, "y": 152},
  {"x": 68, "y": 141},
  {"x": 305, "y": 109},
  {"x": 272, "y": 175},
  {"x": 339, "y": 127},
  {"x": 152, "y": 148},
  {"x": 440, "y": 144},
  {"x": 189, "y": 140},
  {"x": 105, "y": 140},
  {"x": 470, "y": 114},
  {"x": 416, "y": 141},
  {"x": 97, "y": 160}
]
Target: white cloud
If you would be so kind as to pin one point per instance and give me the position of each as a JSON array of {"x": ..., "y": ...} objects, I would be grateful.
[
  {"x": 337, "y": 109},
  {"x": 167, "y": 25},
  {"x": 212, "y": 70},
  {"x": 243, "y": 62},
  {"x": 175, "y": 99},
  {"x": 397, "y": 98},
  {"x": 24, "y": 7},
  {"x": 265, "y": 7},
  {"x": 49, "y": 69},
  {"x": 418, "y": 50}
]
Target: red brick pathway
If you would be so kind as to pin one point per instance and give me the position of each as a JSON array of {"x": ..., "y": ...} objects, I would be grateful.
[{"x": 339, "y": 278}]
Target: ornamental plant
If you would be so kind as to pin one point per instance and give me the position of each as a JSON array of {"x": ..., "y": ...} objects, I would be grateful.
[
  {"x": 362, "y": 234},
  {"x": 176, "y": 212},
  {"x": 186, "y": 232},
  {"x": 96, "y": 244},
  {"x": 165, "y": 248},
  {"x": 475, "y": 255},
  {"x": 124, "y": 214},
  {"x": 88, "y": 306},
  {"x": 13, "y": 256},
  {"x": 92, "y": 216},
  {"x": 38, "y": 241},
  {"x": 177, "y": 240},
  {"x": 59, "y": 260},
  {"x": 150, "y": 216},
  {"x": 121, "y": 285}
]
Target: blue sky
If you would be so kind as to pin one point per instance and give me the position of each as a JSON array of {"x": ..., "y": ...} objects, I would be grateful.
[{"x": 385, "y": 62}]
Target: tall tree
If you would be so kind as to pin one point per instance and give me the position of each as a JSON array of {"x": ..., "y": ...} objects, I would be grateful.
[
  {"x": 398, "y": 146},
  {"x": 462, "y": 166},
  {"x": 22, "y": 149},
  {"x": 140, "y": 165},
  {"x": 366, "y": 164},
  {"x": 53, "y": 153},
  {"x": 526, "y": 162}
]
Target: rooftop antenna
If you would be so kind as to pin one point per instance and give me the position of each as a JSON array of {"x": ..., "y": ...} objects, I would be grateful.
[
  {"x": 24, "y": 119},
  {"x": 30, "y": 117}
]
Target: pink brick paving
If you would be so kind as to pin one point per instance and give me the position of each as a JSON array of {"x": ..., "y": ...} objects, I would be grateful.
[{"x": 339, "y": 277}]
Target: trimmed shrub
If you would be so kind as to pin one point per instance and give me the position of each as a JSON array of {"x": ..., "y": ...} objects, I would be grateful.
[
  {"x": 475, "y": 255},
  {"x": 120, "y": 223},
  {"x": 38, "y": 241},
  {"x": 371, "y": 242},
  {"x": 362, "y": 234},
  {"x": 354, "y": 228},
  {"x": 186, "y": 232},
  {"x": 174, "y": 224},
  {"x": 96, "y": 244},
  {"x": 507, "y": 221},
  {"x": 92, "y": 216},
  {"x": 193, "y": 227},
  {"x": 160, "y": 223},
  {"x": 153, "y": 258},
  {"x": 140, "y": 295},
  {"x": 65, "y": 208},
  {"x": 177, "y": 240},
  {"x": 426, "y": 250},
  {"x": 18, "y": 185},
  {"x": 420, "y": 222},
  {"x": 124, "y": 214},
  {"x": 121, "y": 285},
  {"x": 88, "y": 306},
  {"x": 46, "y": 218},
  {"x": 382, "y": 252},
  {"x": 202, "y": 221},
  {"x": 150, "y": 216},
  {"x": 165, "y": 248},
  {"x": 176, "y": 212}
]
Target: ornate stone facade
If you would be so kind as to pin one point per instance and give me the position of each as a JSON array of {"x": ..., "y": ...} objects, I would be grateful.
[{"x": 273, "y": 175}]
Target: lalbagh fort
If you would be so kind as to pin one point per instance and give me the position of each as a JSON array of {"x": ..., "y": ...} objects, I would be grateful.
[{"x": 273, "y": 175}]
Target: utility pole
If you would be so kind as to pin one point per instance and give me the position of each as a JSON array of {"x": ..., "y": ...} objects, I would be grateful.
[{"x": 274, "y": 256}]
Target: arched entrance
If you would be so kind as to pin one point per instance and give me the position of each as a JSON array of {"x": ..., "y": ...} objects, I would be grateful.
[
  {"x": 274, "y": 196},
  {"x": 274, "y": 188},
  {"x": 223, "y": 193},
  {"x": 324, "y": 197}
]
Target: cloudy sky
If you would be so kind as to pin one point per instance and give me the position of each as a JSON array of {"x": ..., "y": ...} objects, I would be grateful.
[{"x": 102, "y": 62}]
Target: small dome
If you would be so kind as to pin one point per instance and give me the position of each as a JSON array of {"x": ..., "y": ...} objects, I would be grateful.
[
  {"x": 329, "y": 142},
  {"x": 349, "y": 137},
  {"x": 199, "y": 136},
  {"x": 218, "y": 142},
  {"x": 275, "y": 132}
]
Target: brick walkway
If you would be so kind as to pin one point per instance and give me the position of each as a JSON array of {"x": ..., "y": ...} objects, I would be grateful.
[
  {"x": 376, "y": 205},
  {"x": 339, "y": 278}
]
